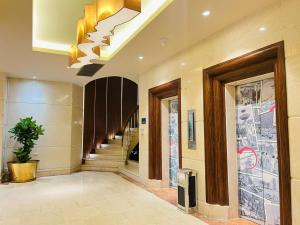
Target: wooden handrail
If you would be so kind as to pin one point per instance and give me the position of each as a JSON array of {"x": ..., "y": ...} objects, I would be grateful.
[{"x": 129, "y": 119}]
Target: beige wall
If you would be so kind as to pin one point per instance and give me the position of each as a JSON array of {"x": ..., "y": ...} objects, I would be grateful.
[
  {"x": 282, "y": 22},
  {"x": 77, "y": 126},
  {"x": 58, "y": 107},
  {"x": 3, "y": 89}
]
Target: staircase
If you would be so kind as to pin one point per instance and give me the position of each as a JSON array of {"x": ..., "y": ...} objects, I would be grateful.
[
  {"x": 113, "y": 157},
  {"x": 108, "y": 158}
]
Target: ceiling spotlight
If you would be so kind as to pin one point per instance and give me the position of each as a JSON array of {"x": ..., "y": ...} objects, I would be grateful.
[
  {"x": 163, "y": 41},
  {"x": 206, "y": 13},
  {"x": 141, "y": 57},
  {"x": 34, "y": 77},
  {"x": 262, "y": 29},
  {"x": 183, "y": 64}
]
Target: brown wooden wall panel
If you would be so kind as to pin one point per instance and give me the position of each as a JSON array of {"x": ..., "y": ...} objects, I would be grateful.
[
  {"x": 130, "y": 98},
  {"x": 114, "y": 105},
  {"x": 100, "y": 112},
  {"x": 88, "y": 129},
  {"x": 262, "y": 61}
]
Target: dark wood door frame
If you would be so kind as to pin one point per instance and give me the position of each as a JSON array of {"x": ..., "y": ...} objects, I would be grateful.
[
  {"x": 156, "y": 94},
  {"x": 265, "y": 60}
]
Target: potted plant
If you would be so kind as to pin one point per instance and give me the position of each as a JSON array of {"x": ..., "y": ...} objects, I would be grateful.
[{"x": 26, "y": 132}]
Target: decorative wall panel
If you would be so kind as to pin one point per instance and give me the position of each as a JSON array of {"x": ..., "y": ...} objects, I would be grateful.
[
  {"x": 114, "y": 92},
  {"x": 130, "y": 99},
  {"x": 100, "y": 117},
  {"x": 88, "y": 129},
  {"x": 257, "y": 152},
  {"x": 173, "y": 142}
]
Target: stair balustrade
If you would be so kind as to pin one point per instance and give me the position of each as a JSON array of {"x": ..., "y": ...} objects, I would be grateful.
[{"x": 130, "y": 133}]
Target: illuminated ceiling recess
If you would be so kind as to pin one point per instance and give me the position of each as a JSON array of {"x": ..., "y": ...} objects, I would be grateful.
[
  {"x": 106, "y": 27},
  {"x": 97, "y": 26}
]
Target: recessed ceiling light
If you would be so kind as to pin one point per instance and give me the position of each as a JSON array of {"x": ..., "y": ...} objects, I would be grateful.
[
  {"x": 206, "y": 13},
  {"x": 262, "y": 29},
  {"x": 34, "y": 77},
  {"x": 141, "y": 57},
  {"x": 183, "y": 64},
  {"x": 163, "y": 41}
]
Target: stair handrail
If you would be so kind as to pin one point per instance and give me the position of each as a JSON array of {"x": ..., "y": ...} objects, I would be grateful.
[
  {"x": 131, "y": 122},
  {"x": 132, "y": 119}
]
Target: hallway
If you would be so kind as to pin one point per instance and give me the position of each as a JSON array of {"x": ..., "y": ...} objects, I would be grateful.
[{"x": 86, "y": 198}]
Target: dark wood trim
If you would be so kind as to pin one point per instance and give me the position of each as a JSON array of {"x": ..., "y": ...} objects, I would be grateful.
[
  {"x": 156, "y": 94},
  {"x": 265, "y": 60}
]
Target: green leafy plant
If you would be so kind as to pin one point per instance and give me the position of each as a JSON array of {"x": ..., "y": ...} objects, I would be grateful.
[{"x": 26, "y": 132}]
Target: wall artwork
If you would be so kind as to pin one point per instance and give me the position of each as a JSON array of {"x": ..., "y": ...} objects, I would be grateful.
[
  {"x": 191, "y": 129},
  {"x": 173, "y": 142},
  {"x": 258, "y": 177}
]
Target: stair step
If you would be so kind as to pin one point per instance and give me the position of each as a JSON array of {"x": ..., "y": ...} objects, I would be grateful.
[
  {"x": 105, "y": 156},
  {"x": 104, "y": 162},
  {"x": 109, "y": 151},
  {"x": 134, "y": 129},
  {"x": 133, "y": 163},
  {"x": 110, "y": 146},
  {"x": 115, "y": 142},
  {"x": 98, "y": 168}
]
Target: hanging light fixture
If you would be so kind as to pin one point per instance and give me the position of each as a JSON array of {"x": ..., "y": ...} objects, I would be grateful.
[
  {"x": 97, "y": 27},
  {"x": 90, "y": 17}
]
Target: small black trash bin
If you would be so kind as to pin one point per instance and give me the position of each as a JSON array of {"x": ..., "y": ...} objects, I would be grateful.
[{"x": 187, "y": 190}]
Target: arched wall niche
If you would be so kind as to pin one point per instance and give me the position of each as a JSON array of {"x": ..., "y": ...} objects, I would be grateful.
[{"x": 108, "y": 103}]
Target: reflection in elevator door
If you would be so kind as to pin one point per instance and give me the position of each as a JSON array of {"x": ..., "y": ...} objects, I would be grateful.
[
  {"x": 173, "y": 142},
  {"x": 257, "y": 152}
]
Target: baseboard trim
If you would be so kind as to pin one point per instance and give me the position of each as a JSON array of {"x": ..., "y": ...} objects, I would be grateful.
[{"x": 57, "y": 172}]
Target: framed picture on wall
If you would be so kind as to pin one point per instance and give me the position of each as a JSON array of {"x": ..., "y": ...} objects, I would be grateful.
[{"x": 191, "y": 129}]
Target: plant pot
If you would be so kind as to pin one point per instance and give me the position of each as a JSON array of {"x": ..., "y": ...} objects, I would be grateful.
[{"x": 22, "y": 172}]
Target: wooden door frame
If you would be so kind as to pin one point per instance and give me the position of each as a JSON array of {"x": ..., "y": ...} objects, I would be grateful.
[
  {"x": 157, "y": 94},
  {"x": 265, "y": 60}
]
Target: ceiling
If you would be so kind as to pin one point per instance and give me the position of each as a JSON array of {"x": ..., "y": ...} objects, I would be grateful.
[
  {"x": 48, "y": 37},
  {"x": 48, "y": 17},
  {"x": 181, "y": 24}
]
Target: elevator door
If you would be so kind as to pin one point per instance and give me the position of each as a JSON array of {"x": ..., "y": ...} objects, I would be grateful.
[
  {"x": 258, "y": 178},
  {"x": 173, "y": 142}
]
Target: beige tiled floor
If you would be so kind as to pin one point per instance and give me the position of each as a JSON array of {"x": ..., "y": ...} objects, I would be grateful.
[
  {"x": 86, "y": 198},
  {"x": 170, "y": 195}
]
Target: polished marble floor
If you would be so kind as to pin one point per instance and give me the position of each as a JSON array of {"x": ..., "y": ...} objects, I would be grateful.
[
  {"x": 170, "y": 195},
  {"x": 86, "y": 198}
]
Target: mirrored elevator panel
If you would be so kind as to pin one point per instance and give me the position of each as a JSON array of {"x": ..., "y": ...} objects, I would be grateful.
[
  {"x": 258, "y": 177},
  {"x": 173, "y": 142}
]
